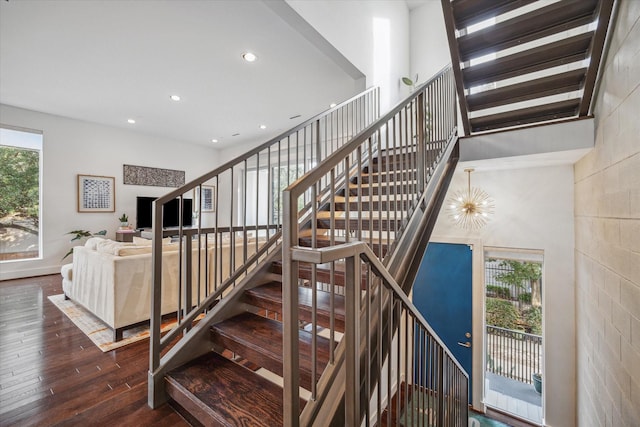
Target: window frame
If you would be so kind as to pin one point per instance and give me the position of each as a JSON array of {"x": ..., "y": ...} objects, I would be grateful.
[{"x": 40, "y": 149}]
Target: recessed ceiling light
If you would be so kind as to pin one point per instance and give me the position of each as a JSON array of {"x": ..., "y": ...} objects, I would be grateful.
[
  {"x": 131, "y": 121},
  {"x": 249, "y": 56},
  {"x": 214, "y": 140},
  {"x": 175, "y": 97},
  {"x": 263, "y": 126},
  {"x": 333, "y": 104}
]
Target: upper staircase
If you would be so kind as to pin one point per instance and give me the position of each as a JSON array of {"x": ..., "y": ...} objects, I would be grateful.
[
  {"x": 291, "y": 309},
  {"x": 522, "y": 62}
]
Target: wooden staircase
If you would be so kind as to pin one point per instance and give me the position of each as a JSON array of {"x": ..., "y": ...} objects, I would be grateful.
[
  {"x": 540, "y": 60},
  {"x": 215, "y": 389}
]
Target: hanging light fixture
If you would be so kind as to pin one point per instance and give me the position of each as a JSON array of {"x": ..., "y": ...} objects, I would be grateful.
[{"x": 472, "y": 208}]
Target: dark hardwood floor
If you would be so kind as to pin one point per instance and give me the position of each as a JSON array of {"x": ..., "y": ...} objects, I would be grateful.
[{"x": 52, "y": 374}]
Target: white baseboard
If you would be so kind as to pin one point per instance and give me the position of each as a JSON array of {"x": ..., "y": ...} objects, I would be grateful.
[{"x": 30, "y": 272}]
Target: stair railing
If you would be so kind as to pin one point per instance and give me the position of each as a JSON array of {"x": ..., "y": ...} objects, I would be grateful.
[
  {"x": 398, "y": 375},
  {"x": 395, "y": 160},
  {"x": 235, "y": 217}
]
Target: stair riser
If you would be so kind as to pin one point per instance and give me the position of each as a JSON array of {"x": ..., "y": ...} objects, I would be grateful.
[
  {"x": 323, "y": 317},
  {"x": 386, "y": 177},
  {"x": 383, "y": 205},
  {"x": 322, "y": 275},
  {"x": 365, "y": 224},
  {"x": 391, "y": 166},
  {"x": 387, "y": 190},
  {"x": 394, "y": 158}
]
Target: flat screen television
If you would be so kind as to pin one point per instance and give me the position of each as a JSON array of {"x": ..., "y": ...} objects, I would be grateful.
[{"x": 171, "y": 217}]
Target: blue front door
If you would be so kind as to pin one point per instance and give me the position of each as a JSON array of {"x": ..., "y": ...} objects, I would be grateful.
[{"x": 442, "y": 294}]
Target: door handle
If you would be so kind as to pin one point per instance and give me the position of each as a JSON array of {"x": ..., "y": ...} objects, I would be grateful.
[{"x": 464, "y": 344}]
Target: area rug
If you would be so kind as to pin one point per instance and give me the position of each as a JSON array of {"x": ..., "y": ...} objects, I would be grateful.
[{"x": 98, "y": 332}]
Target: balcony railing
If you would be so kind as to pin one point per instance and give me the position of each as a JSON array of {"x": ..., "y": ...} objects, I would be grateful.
[{"x": 513, "y": 354}]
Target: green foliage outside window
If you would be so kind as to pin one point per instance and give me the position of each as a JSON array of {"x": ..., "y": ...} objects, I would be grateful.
[
  {"x": 519, "y": 273},
  {"x": 533, "y": 319},
  {"x": 502, "y": 313},
  {"x": 19, "y": 182},
  {"x": 525, "y": 297},
  {"x": 499, "y": 291}
]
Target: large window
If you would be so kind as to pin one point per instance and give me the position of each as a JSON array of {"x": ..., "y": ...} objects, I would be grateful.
[{"x": 20, "y": 160}]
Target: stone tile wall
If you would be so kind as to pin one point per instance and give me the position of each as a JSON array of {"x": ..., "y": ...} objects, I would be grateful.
[{"x": 607, "y": 227}]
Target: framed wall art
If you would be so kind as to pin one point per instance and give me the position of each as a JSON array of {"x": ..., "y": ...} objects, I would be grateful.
[
  {"x": 208, "y": 198},
  {"x": 157, "y": 177},
  {"x": 96, "y": 193}
]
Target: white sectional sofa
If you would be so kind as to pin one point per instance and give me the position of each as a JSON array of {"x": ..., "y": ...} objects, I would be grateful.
[{"x": 113, "y": 279}]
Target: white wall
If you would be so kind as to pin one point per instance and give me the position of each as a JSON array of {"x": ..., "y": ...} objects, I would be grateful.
[
  {"x": 373, "y": 35},
  {"x": 429, "y": 44},
  {"x": 533, "y": 210},
  {"x": 72, "y": 147}
]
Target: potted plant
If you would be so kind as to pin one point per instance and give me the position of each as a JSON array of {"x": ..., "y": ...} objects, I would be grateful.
[
  {"x": 124, "y": 220},
  {"x": 82, "y": 234},
  {"x": 409, "y": 82},
  {"x": 537, "y": 382}
]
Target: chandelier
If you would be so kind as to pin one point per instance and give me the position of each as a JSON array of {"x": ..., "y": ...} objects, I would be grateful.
[{"x": 470, "y": 208}]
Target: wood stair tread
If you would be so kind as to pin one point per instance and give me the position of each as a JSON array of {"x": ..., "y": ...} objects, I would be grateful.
[
  {"x": 549, "y": 55},
  {"x": 269, "y": 297},
  {"x": 259, "y": 340},
  {"x": 370, "y": 198},
  {"x": 470, "y": 12},
  {"x": 524, "y": 28},
  {"x": 384, "y": 176},
  {"x": 323, "y": 273},
  {"x": 532, "y": 89},
  {"x": 386, "y": 184},
  {"x": 325, "y": 232},
  {"x": 340, "y": 214},
  {"x": 522, "y": 116},
  {"x": 217, "y": 391}
]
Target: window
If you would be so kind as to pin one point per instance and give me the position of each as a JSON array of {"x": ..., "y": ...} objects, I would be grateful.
[
  {"x": 283, "y": 176},
  {"x": 264, "y": 193},
  {"x": 20, "y": 166}
]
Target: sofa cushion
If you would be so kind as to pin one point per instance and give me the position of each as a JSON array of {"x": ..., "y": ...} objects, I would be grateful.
[
  {"x": 141, "y": 241},
  {"x": 92, "y": 242},
  {"x": 111, "y": 247},
  {"x": 108, "y": 246},
  {"x": 133, "y": 250}
]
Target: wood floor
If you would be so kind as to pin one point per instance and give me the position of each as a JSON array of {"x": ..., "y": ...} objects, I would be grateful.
[{"x": 51, "y": 374}]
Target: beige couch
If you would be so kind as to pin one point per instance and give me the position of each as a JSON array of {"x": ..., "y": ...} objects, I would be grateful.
[{"x": 113, "y": 279}]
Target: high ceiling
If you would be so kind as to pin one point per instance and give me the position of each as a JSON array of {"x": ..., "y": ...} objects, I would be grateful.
[{"x": 110, "y": 61}]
